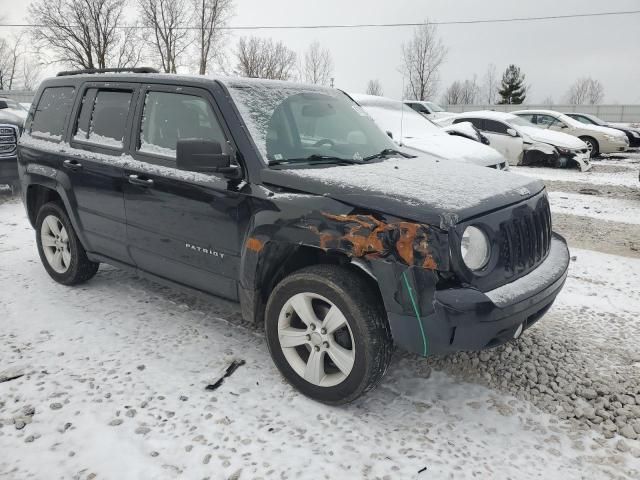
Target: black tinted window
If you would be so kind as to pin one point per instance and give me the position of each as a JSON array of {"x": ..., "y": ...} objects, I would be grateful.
[
  {"x": 476, "y": 122},
  {"x": 52, "y": 111},
  {"x": 495, "y": 127},
  {"x": 168, "y": 117},
  {"x": 103, "y": 117}
]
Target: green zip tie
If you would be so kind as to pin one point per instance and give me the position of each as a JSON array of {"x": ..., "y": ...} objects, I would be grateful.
[{"x": 415, "y": 309}]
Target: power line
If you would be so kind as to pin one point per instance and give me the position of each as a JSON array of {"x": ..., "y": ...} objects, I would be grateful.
[{"x": 370, "y": 25}]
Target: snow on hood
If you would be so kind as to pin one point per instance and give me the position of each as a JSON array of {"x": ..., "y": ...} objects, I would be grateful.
[
  {"x": 604, "y": 130},
  {"x": 417, "y": 132},
  {"x": 13, "y": 116},
  {"x": 557, "y": 139},
  {"x": 423, "y": 188}
]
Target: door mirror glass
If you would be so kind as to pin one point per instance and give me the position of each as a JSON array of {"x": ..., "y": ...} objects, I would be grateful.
[
  {"x": 205, "y": 156},
  {"x": 512, "y": 132}
]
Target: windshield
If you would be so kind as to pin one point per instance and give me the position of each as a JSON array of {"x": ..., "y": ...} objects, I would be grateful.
[
  {"x": 293, "y": 122},
  {"x": 435, "y": 107},
  {"x": 398, "y": 118}
]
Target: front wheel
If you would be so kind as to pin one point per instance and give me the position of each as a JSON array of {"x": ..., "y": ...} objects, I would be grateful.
[
  {"x": 327, "y": 333},
  {"x": 63, "y": 256},
  {"x": 592, "y": 145}
]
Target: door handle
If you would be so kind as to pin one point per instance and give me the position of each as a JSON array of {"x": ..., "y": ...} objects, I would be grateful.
[
  {"x": 72, "y": 164},
  {"x": 143, "y": 182}
]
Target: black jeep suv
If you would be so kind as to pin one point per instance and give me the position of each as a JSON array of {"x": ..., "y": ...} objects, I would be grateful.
[{"x": 287, "y": 199}]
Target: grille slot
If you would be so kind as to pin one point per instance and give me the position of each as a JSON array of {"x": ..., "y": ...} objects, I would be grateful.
[
  {"x": 8, "y": 140},
  {"x": 526, "y": 240}
]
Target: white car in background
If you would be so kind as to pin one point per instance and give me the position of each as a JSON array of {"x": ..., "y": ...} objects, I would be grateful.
[
  {"x": 525, "y": 144},
  {"x": 410, "y": 129},
  {"x": 431, "y": 110},
  {"x": 598, "y": 139}
]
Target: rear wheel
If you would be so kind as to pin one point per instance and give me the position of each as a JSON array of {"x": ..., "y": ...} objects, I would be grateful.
[
  {"x": 327, "y": 333},
  {"x": 63, "y": 256},
  {"x": 592, "y": 145}
]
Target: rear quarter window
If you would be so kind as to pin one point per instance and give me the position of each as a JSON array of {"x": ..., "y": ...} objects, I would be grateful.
[{"x": 51, "y": 113}]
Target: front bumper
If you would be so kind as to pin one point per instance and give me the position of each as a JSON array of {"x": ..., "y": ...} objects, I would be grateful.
[
  {"x": 613, "y": 146},
  {"x": 8, "y": 170},
  {"x": 467, "y": 319}
]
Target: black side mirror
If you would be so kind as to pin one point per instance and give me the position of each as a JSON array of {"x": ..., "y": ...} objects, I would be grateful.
[{"x": 196, "y": 155}]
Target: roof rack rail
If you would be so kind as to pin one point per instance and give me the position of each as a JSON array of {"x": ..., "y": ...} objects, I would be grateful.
[{"x": 107, "y": 70}]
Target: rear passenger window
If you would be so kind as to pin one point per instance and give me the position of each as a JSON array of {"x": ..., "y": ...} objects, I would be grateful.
[
  {"x": 103, "y": 117},
  {"x": 476, "y": 122},
  {"x": 52, "y": 112},
  {"x": 495, "y": 127},
  {"x": 168, "y": 117}
]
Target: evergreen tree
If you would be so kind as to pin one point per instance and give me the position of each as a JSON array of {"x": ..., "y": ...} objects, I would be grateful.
[{"x": 513, "y": 90}]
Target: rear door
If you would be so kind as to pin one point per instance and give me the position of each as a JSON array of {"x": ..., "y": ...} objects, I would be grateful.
[
  {"x": 183, "y": 226},
  {"x": 94, "y": 165},
  {"x": 510, "y": 147}
]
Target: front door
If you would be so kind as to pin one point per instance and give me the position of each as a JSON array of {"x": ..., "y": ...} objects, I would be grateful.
[
  {"x": 183, "y": 226},
  {"x": 511, "y": 147}
]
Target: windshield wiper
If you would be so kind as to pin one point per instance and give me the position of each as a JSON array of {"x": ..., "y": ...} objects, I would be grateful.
[
  {"x": 386, "y": 153},
  {"x": 315, "y": 158}
]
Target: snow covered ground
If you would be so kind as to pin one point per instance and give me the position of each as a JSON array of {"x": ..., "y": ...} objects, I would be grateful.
[
  {"x": 612, "y": 209},
  {"x": 111, "y": 377}
]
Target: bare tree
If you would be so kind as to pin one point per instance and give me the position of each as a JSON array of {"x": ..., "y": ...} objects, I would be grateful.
[
  {"x": 490, "y": 85},
  {"x": 9, "y": 58},
  {"x": 548, "y": 100},
  {"x": 466, "y": 92},
  {"x": 30, "y": 73},
  {"x": 264, "y": 58},
  {"x": 422, "y": 57},
  {"x": 318, "y": 65},
  {"x": 168, "y": 21},
  {"x": 585, "y": 90},
  {"x": 81, "y": 33},
  {"x": 210, "y": 16},
  {"x": 453, "y": 94},
  {"x": 470, "y": 91},
  {"x": 374, "y": 87}
]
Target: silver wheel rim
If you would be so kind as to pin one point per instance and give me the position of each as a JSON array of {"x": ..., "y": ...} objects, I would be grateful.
[
  {"x": 55, "y": 244},
  {"x": 589, "y": 147},
  {"x": 316, "y": 339}
]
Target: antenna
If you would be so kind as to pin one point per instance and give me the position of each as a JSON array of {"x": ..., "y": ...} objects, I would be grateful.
[{"x": 402, "y": 110}]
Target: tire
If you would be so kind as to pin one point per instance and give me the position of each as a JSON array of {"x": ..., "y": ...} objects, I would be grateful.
[
  {"x": 72, "y": 265},
  {"x": 594, "y": 147},
  {"x": 362, "y": 345}
]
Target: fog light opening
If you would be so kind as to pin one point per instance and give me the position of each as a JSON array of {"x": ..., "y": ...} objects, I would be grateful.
[{"x": 518, "y": 331}]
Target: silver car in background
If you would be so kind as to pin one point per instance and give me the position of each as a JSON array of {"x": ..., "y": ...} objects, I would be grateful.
[{"x": 598, "y": 139}]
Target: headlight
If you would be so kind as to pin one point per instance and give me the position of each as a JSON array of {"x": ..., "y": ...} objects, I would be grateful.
[
  {"x": 611, "y": 138},
  {"x": 475, "y": 248}
]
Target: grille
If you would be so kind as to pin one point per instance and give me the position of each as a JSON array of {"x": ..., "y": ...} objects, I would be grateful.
[
  {"x": 526, "y": 240},
  {"x": 8, "y": 140}
]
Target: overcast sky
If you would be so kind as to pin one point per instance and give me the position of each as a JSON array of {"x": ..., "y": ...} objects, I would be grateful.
[{"x": 552, "y": 53}]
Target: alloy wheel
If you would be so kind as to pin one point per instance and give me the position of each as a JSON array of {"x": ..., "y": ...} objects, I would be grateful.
[
  {"x": 316, "y": 339},
  {"x": 55, "y": 244}
]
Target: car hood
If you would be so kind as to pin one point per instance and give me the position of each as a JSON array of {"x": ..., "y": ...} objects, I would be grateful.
[
  {"x": 12, "y": 117},
  {"x": 601, "y": 130},
  {"x": 452, "y": 147},
  {"x": 423, "y": 189},
  {"x": 557, "y": 139}
]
